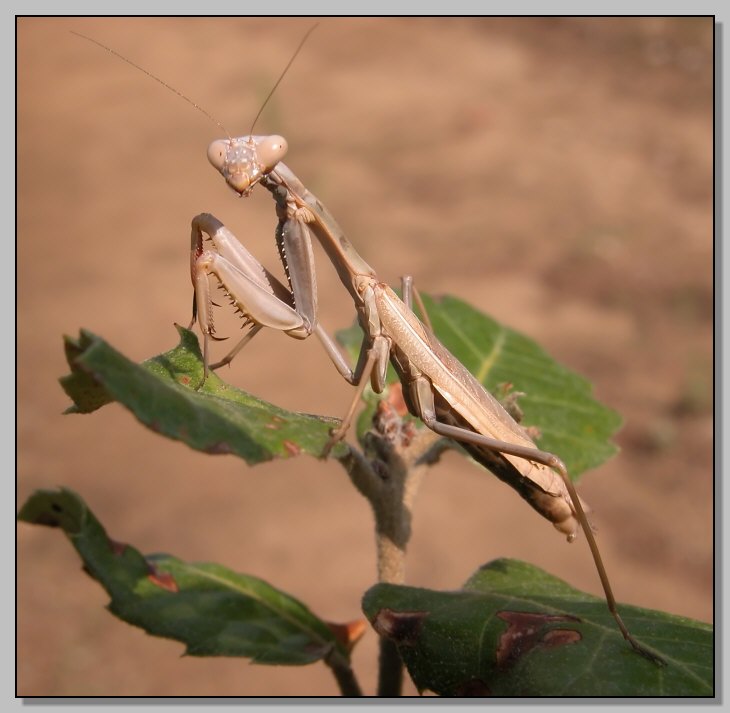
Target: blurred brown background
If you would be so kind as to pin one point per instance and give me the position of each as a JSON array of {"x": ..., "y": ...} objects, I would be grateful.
[{"x": 555, "y": 173}]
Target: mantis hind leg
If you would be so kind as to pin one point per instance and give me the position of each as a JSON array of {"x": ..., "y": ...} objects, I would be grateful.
[{"x": 421, "y": 391}]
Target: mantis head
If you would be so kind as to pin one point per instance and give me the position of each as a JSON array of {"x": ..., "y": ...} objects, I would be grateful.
[{"x": 244, "y": 161}]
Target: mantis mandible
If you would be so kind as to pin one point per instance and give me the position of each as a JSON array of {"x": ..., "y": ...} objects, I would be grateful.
[{"x": 437, "y": 388}]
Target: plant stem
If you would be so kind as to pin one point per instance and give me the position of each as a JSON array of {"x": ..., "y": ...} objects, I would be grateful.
[
  {"x": 390, "y": 670},
  {"x": 393, "y": 531},
  {"x": 345, "y": 677},
  {"x": 390, "y": 482}
]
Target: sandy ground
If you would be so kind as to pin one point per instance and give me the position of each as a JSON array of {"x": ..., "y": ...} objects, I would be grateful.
[{"x": 555, "y": 173}]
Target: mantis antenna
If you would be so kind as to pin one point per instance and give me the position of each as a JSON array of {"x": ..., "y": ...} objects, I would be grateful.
[
  {"x": 157, "y": 79},
  {"x": 186, "y": 98},
  {"x": 282, "y": 75}
]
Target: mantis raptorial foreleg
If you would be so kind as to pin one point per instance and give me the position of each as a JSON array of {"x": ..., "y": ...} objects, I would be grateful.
[{"x": 258, "y": 296}]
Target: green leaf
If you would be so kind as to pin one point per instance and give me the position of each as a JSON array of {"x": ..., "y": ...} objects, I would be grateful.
[
  {"x": 558, "y": 402},
  {"x": 209, "y": 608},
  {"x": 514, "y": 630},
  {"x": 161, "y": 392}
]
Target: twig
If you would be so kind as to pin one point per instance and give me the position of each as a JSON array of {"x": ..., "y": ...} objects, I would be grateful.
[{"x": 390, "y": 481}]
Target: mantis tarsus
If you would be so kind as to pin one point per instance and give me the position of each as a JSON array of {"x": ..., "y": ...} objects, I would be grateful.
[{"x": 437, "y": 388}]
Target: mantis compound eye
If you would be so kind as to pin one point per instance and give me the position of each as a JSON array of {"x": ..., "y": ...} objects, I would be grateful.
[
  {"x": 217, "y": 153},
  {"x": 271, "y": 150}
]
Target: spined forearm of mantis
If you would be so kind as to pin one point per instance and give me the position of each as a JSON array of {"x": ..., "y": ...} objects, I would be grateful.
[{"x": 437, "y": 388}]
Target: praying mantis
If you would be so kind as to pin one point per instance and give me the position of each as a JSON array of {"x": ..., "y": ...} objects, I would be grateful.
[{"x": 437, "y": 388}]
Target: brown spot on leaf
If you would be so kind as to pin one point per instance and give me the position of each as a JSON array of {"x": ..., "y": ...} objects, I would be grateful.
[
  {"x": 472, "y": 689},
  {"x": 350, "y": 633},
  {"x": 162, "y": 579},
  {"x": 221, "y": 448},
  {"x": 317, "y": 649},
  {"x": 47, "y": 519},
  {"x": 292, "y": 448},
  {"x": 560, "y": 637},
  {"x": 118, "y": 548},
  {"x": 271, "y": 426},
  {"x": 402, "y": 627},
  {"x": 185, "y": 380},
  {"x": 527, "y": 631}
]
